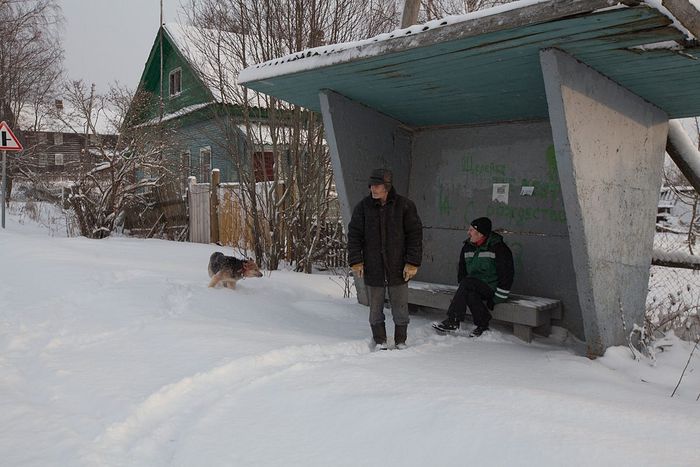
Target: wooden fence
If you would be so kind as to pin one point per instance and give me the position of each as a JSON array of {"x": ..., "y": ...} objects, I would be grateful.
[
  {"x": 199, "y": 201},
  {"x": 164, "y": 217},
  {"x": 219, "y": 216}
]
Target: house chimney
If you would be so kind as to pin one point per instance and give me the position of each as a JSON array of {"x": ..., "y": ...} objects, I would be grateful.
[{"x": 59, "y": 104}]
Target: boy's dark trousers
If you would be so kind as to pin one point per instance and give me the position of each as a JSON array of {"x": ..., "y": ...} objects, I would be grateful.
[{"x": 471, "y": 293}]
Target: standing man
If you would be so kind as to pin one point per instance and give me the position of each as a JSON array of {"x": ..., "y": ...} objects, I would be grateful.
[
  {"x": 485, "y": 274},
  {"x": 385, "y": 246}
]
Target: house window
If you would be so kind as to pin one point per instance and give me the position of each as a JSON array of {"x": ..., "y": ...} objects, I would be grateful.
[
  {"x": 205, "y": 164},
  {"x": 58, "y": 159},
  {"x": 43, "y": 160},
  {"x": 57, "y": 139},
  {"x": 263, "y": 166},
  {"x": 41, "y": 138},
  {"x": 175, "y": 82}
]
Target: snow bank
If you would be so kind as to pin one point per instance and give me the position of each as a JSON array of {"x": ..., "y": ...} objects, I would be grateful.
[{"x": 114, "y": 352}]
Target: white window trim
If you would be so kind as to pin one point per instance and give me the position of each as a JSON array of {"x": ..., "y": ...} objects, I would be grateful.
[
  {"x": 58, "y": 156},
  {"x": 57, "y": 139},
  {"x": 172, "y": 94}
]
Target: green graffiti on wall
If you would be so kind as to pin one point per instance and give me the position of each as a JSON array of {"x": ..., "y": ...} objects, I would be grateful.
[
  {"x": 481, "y": 169},
  {"x": 523, "y": 214},
  {"x": 552, "y": 171}
]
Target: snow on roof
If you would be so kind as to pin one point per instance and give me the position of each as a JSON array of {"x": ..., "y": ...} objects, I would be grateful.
[
  {"x": 260, "y": 134},
  {"x": 178, "y": 113},
  {"x": 68, "y": 120},
  {"x": 337, "y": 53},
  {"x": 215, "y": 56},
  {"x": 657, "y": 4}
]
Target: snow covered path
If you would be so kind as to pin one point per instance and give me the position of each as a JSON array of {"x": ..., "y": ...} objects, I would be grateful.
[{"x": 116, "y": 353}]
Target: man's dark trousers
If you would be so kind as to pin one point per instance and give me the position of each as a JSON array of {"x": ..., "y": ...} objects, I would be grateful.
[{"x": 471, "y": 293}]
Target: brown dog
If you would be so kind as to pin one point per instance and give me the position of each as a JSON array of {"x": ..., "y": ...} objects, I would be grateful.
[{"x": 229, "y": 269}]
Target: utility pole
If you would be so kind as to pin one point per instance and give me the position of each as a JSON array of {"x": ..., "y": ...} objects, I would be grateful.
[
  {"x": 85, "y": 160},
  {"x": 160, "y": 40},
  {"x": 410, "y": 13}
]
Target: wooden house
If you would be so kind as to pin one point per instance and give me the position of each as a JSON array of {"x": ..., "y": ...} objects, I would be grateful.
[
  {"x": 58, "y": 155},
  {"x": 186, "y": 94}
]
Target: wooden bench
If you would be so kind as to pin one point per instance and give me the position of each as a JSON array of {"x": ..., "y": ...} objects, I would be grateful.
[{"x": 525, "y": 313}]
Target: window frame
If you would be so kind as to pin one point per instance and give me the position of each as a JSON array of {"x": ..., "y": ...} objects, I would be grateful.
[
  {"x": 264, "y": 166},
  {"x": 175, "y": 72}
]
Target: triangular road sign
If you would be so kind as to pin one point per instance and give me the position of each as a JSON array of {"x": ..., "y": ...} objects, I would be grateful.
[{"x": 8, "y": 140}]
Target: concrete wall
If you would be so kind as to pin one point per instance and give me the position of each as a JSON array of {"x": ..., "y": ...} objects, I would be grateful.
[
  {"x": 361, "y": 139},
  {"x": 449, "y": 174},
  {"x": 609, "y": 148},
  {"x": 583, "y": 236},
  {"x": 452, "y": 182}
]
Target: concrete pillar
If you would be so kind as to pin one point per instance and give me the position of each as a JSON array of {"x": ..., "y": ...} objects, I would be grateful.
[
  {"x": 609, "y": 147},
  {"x": 361, "y": 139}
]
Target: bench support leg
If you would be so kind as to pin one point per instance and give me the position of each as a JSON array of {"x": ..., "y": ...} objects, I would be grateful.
[
  {"x": 544, "y": 330},
  {"x": 522, "y": 332}
]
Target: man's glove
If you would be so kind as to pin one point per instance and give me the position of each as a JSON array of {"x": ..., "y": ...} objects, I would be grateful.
[
  {"x": 409, "y": 271},
  {"x": 358, "y": 270}
]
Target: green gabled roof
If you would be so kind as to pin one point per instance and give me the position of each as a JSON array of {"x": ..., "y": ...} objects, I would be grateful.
[
  {"x": 194, "y": 92},
  {"x": 488, "y": 69}
]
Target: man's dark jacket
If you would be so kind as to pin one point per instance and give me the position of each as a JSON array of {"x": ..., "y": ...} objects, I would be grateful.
[{"x": 385, "y": 238}]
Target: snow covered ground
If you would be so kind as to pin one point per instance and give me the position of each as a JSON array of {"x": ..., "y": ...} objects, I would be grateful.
[{"x": 115, "y": 353}]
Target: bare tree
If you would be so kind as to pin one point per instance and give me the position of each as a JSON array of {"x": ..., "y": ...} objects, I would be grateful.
[
  {"x": 31, "y": 59},
  {"x": 116, "y": 174},
  {"x": 435, "y": 9},
  {"x": 293, "y": 217}
]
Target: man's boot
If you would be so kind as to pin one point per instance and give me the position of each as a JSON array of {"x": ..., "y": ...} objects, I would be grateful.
[
  {"x": 400, "y": 333},
  {"x": 379, "y": 336}
]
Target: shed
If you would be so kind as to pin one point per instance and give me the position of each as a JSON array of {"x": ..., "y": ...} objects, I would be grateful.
[{"x": 549, "y": 116}]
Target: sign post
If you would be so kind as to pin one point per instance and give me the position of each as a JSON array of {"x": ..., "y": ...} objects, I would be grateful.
[{"x": 8, "y": 142}]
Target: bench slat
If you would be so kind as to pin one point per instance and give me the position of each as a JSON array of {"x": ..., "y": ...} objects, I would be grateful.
[{"x": 519, "y": 309}]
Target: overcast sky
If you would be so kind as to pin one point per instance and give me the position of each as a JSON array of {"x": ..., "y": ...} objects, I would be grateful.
[{"x": 109, "y": 40}]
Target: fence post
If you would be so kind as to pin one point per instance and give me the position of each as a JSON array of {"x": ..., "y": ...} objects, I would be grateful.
[
  {"x": 191, "y": 180},
  {"x": 214, "y": 205}
]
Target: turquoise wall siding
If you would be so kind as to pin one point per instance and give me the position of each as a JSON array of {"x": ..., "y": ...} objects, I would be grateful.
[{"x": 201, "y": 134}]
